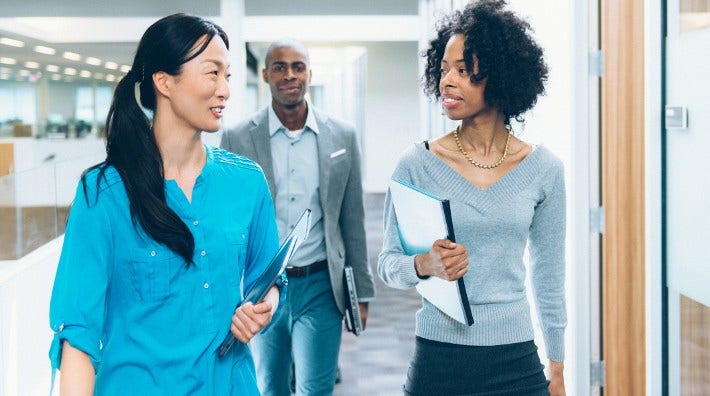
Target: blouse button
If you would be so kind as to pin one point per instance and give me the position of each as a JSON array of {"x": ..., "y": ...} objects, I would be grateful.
[
  {"x": 195, "y": 222},
  {"x": 203, "y": 253},
  {"x": 206, "y": 285},
  {"x": 152, "y": 253}
]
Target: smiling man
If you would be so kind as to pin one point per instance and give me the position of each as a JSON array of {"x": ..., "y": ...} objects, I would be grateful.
[{"x": 310, "y": 161}]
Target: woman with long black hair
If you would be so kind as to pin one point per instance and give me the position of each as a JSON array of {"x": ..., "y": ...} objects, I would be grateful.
[{"x": 164, "y": 235}]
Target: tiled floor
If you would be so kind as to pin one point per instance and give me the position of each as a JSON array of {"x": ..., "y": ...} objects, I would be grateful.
[{"x": 375, "y": 363}]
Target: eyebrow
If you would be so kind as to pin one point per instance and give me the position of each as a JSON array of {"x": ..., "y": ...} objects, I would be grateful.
[
  {"x": 286, "y": 63},
  {"x": 456, "y": 61},
  {"x": 216, "y": 62}
]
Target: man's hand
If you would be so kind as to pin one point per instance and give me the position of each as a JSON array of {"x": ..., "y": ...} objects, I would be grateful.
[
  {"x": 363, "y": 313},
  {"x": 557, "y": 379},
  {"x": 250, "y": 319},
  {"x": 446, "y": 260}
]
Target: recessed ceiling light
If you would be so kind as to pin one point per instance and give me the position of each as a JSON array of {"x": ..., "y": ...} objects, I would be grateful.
[
  {"x": 111, "y": 65},
  {"x": 85, "y": 73},
  {"x": 52, "y": 68},
  {"x": 11, "y": 42},
  {"x": 110, "y": 78},
  {"x": 24, "y": 73},
  {"x": 5, "y": 70},
  {"x": 70, "y": 71},
  {"x": 31, "y": 65},
  {"x": 93, "y": 61},
  {"x": 7, "y": 61},
  {"x": 125, "y": 68},
  {"x": 45, "y": 50},
  {"x": 72, "y": 56},
  {"x": 56, "y": 77}
]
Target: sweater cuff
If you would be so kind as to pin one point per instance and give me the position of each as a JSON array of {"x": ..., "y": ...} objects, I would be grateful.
[
  {"x": 409, "y": 271},
  {"x": 555, "y": 344}
]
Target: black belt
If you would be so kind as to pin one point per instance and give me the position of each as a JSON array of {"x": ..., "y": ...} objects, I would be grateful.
[{"x": 299, "y": 272}]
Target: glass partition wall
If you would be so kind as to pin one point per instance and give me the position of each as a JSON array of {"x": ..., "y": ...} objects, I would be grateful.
[{"x": 34, "y": 203}]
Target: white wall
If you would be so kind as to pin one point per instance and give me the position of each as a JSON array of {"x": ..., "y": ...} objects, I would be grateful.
[
  {"x": 392, "y": 119},
  {"x": 25, "y": 336}
]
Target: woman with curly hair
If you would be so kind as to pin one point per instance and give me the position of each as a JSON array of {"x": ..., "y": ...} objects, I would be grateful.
[{"x": 505, "y": 194}]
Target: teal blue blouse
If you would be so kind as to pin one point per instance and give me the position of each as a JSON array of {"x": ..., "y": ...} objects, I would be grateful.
[{"x": 150, "y": 323}]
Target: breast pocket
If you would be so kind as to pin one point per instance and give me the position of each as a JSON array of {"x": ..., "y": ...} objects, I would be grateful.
[
  {"x": 151, "y": 270},
  {"x": 236, "y": 255}
]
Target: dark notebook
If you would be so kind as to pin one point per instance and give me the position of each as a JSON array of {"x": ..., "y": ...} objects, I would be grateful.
[{"x": 353, "y": 321}]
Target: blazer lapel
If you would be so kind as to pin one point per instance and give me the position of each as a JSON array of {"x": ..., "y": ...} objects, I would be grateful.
[
  {"x": 262, "y": 146},
  {"x": 325, "y": 147}
]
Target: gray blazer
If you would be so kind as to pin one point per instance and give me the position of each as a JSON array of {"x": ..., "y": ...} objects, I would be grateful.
[{"x": 340, "y": 192}]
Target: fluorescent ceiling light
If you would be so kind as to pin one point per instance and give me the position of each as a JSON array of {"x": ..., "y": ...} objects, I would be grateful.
[
  {"x": 24, "y": 73},
  {"x": 111, "y": 65},
  {"x": 31, "y": 65},
  {"x": 93, "y": 61},
  {"x": 70, "y": 71},
  {"x": 4, "y": 76},
  {"x": 11, "y": 42},
  {"x": 45, "y": 50},
  {"x": 7, "y": 61},
  {"x": 72, "y": 56},
  {"x": 56, "y": 77},
  {"x": 125, "y": 68},
  {"x": 85, "y": 73},
  {"x": 110, "y": 78},
  {"x": 52, "y": 68}
]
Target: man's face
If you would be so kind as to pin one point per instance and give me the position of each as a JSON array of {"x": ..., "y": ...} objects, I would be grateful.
[{"x": 288, "y": 75}]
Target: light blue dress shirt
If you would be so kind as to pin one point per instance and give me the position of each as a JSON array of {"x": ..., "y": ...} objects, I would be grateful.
[
  {"x": 295, "y": 161},
  {"x": 150, "y": 323}
]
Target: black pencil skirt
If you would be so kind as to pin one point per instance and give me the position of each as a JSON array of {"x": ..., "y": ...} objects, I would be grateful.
[{"x": 439, "y": 368}]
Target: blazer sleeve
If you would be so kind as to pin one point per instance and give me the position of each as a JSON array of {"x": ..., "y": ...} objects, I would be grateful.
[{"x": 352, "y": 225}]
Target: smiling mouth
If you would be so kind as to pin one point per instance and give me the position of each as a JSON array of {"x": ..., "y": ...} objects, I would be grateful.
[{"x": 217, "y": 110}]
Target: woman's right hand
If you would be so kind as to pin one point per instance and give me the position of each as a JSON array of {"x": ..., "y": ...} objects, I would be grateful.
[{"x": 446, "y": 260}]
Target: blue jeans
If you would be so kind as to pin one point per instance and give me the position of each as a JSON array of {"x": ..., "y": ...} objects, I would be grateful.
[{"x": 307, "y": 332}]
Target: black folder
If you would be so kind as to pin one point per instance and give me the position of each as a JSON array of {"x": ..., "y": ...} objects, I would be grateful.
[{"x": 353, "y": 321}]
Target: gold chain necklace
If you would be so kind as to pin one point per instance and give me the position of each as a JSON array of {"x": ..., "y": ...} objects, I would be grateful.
[{"x": 472, "y": 161}]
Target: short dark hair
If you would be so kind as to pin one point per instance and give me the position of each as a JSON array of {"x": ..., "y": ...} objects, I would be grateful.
[{"x": 507, "y": 55}]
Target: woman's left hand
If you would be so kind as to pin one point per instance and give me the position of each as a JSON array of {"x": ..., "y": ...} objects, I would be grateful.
[
  {"x": 250, "y": 319},
  {"x": 557, "y": 379}
]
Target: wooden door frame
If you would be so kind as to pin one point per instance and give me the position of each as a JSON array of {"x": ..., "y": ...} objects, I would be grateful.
[{"x": 623, "y": 192}]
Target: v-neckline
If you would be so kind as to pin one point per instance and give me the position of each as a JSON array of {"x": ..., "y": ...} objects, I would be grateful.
[
  {"x": 173, "y": 188},
  {"x": 500, "y": 180},
  {"x": 502, "y": 189}
]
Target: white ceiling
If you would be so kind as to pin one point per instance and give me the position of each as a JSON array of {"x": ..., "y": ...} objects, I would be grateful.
[{"x": 109, "y": 29}]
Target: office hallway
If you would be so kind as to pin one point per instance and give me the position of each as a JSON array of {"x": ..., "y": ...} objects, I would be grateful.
[{"x": 375, "y": 363}]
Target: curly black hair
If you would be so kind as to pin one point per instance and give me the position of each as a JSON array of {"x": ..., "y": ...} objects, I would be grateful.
[{"x": 507, "y": 55}]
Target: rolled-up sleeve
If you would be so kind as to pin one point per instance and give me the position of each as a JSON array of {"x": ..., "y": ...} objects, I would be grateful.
[{"x": 78, "y": 303}]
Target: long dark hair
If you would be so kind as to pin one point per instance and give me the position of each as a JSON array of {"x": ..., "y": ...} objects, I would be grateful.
[{"x": 130, "y": 144}]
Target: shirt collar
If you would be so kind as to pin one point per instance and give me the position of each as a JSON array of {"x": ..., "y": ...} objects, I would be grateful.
[{"x": 275, "y": 124}]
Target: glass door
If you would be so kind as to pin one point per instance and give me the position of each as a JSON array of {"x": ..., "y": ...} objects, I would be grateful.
[{"x": 687, "y": 165}]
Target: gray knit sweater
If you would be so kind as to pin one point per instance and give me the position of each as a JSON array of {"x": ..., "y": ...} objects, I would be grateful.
[{"x": 525, "y": 207}]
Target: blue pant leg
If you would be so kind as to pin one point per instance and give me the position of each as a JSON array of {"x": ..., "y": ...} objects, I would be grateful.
[
  {"x": 272, "y": 355},
  {"x": 316, "y": 333}
]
